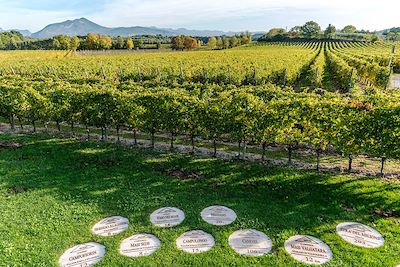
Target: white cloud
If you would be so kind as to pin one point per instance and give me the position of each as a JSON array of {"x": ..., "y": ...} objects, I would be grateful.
[
  {"x": 204, "y": 14},
  {"x": 201, "y": 14}
]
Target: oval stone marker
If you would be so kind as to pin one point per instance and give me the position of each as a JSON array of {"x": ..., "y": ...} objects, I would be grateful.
[
  {"x": 360, "y": 235},
  {"x": 167, "y": 217},
  {"x": 111, "y": 226},
  {"x": 250, "y": 242},
  {"x": 86, "y": 254},
  {"x": 195, "y": 242},
  {"x": 308, "y": 249},
  {"x": 139, "y": 245},
  {"x": 218, "y": 215}
]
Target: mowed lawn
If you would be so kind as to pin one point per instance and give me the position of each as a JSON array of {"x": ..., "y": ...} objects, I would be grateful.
[{"x": 52, "y": 191}]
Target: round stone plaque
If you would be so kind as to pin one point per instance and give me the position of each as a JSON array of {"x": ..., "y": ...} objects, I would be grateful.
[
  {"x": 111, "y": 226},
  {"x": 195, "y": 242},
  {"x": 139, "y": 245},
  {"x": 308, "y": 249},
  {"x": 250, "y": 242},
  {"x": 167, "y": 217},
  {"x": 218, "y": 215},
  {"x": 360, "y": 235},
  {"x": 86, "y": 254}
]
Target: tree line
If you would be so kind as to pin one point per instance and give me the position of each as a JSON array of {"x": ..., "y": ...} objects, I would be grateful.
[
  {"x": 259, "y": 114},
  {"x": 225, "y": 42},
  {"x": 15, "y": 41},
  {"x": 312, "y": 30}
]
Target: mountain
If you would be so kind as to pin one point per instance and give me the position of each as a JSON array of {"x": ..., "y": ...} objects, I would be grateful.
[
  {"x": 84, "y": 26},
  {"x": 25, "y": 33},
  {"x": 394, "y": 29}
]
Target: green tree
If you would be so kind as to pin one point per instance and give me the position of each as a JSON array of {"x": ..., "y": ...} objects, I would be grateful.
[
  {"x": 75, "y": 43},
  {"x": 120, "y": 43},
  {"x": 212, "y": 43},
  {"x": 311, "y": 29},
  {"x": 275, "y": 32},
  {"x": 234, "y": 41},
  {"x": 349, "y": 29},
  {"x": 330, "y": 31}
]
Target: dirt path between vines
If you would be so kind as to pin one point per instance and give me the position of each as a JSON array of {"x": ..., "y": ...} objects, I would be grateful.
[{"x": 391, "y": 175}]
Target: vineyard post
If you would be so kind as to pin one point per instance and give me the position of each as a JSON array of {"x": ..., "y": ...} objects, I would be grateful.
[
  {"x": 105, "y": 132},
  {"x": 120, "y": 74},
  {"x": 383, "y": 161},
  {"x": 229, "y": 74},
  {"x": 118, "y": 133},
  {"x": 12, "y": 124},
  {"x": 318, "y": 159},
  {"x": 351, "y": 79},
  {"x": 215, "y": 147},
  {"x": 284, "y": 77},
  {"x": 159, "y": 75},
  {"x": 316, "y": 78},
  {"x": 135, "y": 136},
  {"x": 140, "y": 74},
  {"x": 20, "y": 123},
  {"x": 290, "y": 151},
  {"x": 192, "y": 143},
  {"x": 87, "y": 129},
  {"x": 181, "y": 74},
  {"x": 390, "y": 67},
  {"x": 103, "y": 72},
  {"x": 12, "y": 70},
  {"x": 255, "y": 76},
  {"x": 350, "y": 168},
  {"x": 264, "y": 146}
]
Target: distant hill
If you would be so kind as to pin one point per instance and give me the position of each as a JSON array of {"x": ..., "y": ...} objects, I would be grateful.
[
  {"x": 84, "y": 26},
  {"x": 25, "y": 33},
  {"x": 394, "y": 29}
]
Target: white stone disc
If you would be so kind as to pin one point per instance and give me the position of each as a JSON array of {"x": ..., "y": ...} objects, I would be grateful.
[
  {"x": 111, "y": 226},
  {"x": 250, "y": 242},
  {"x": 139, "y": 245},
  {"x": 308, "y": 249},
  {"x": 360, "y": 235},
  {"x": 218, "y": 215},
  {"x": 86, "y": 254},
  {"x": 167, "y": 217},
  {"x": 195, "y": 242}
]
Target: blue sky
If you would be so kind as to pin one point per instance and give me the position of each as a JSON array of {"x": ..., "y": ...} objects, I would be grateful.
[{"x": 234, "y": 15}]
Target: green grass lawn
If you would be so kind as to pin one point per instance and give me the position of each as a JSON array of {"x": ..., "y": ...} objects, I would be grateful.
[{"x": 52, "y": 191}]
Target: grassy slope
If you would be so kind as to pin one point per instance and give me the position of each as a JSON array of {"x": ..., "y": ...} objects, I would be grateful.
[{"x": 73, "y": 185}]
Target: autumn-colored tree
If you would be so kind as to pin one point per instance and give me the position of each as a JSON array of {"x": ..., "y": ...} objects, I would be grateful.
[
  {"x": 105, "y": 42},
  {"x": 129, "y": 44},
  {"x": 190, "y": 43},
  {"x": 92, "y": 41}
]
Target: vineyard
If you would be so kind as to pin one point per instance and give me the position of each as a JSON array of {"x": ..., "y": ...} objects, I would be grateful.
[{"x": 324, "y": 96}]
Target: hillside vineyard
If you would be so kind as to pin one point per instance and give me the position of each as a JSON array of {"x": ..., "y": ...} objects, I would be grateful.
[{"x": 322, "y": 95}]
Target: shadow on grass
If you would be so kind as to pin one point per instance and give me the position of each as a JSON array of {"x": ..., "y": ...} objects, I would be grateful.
[{"x": 126, "y": 181}]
